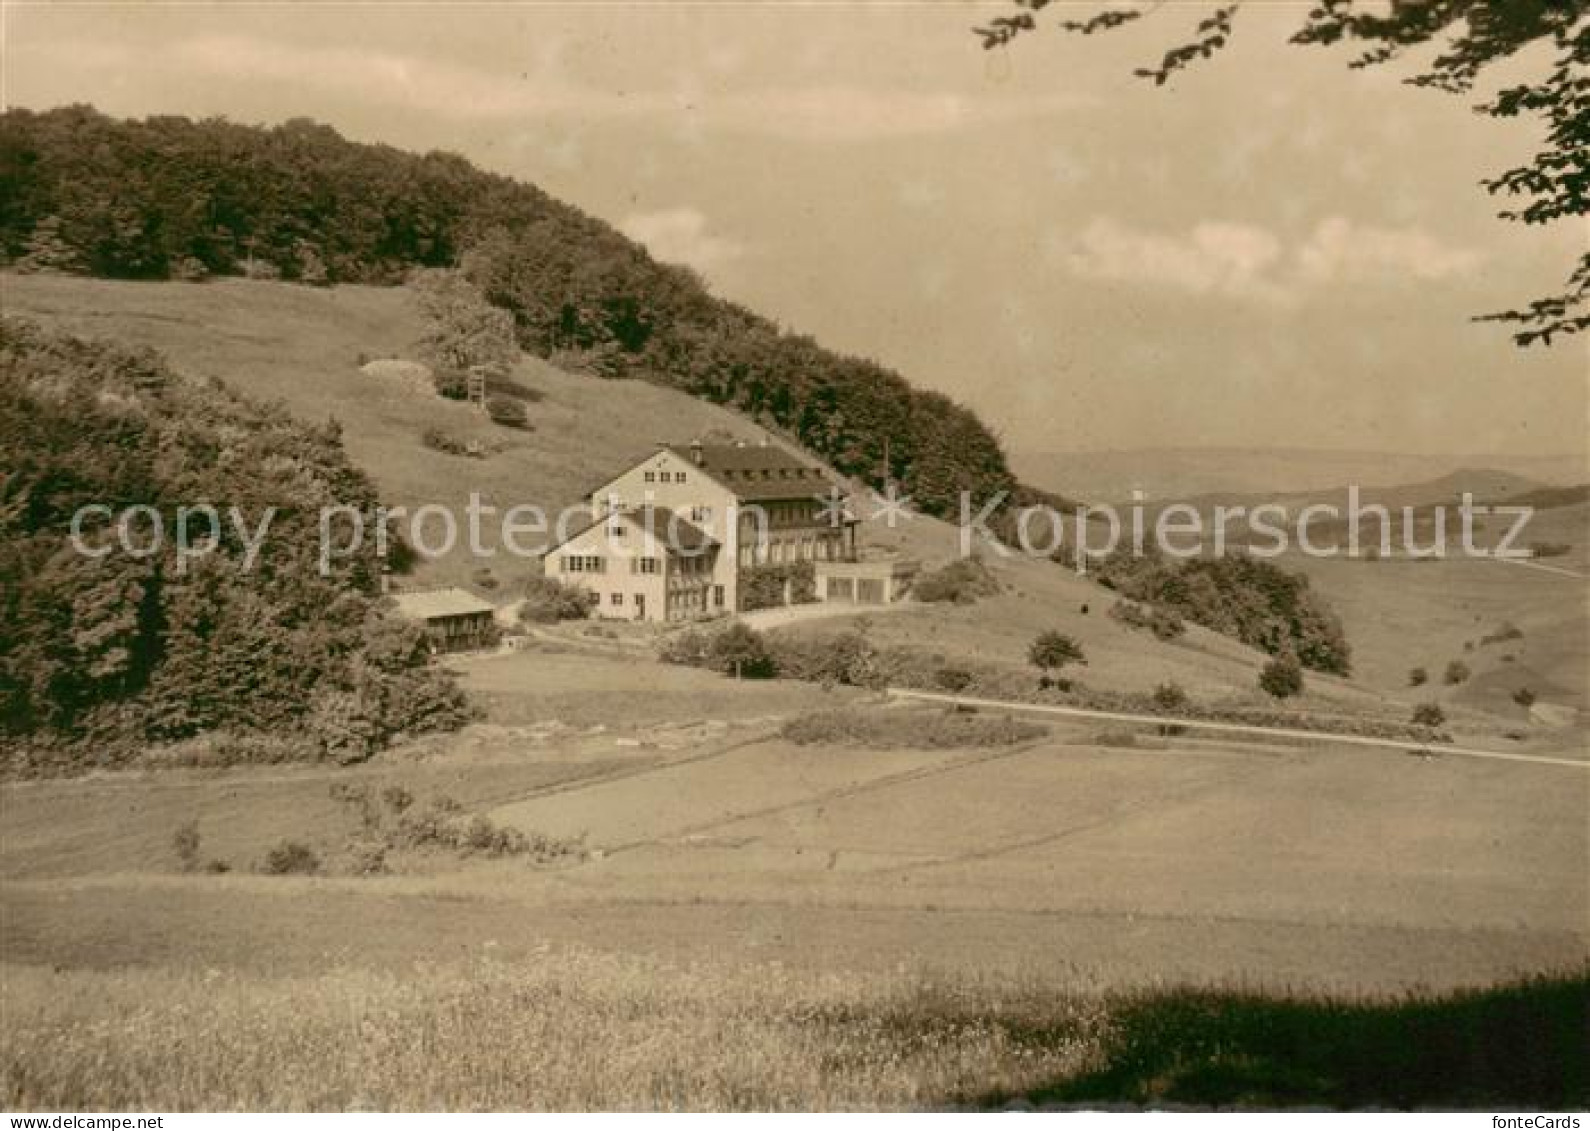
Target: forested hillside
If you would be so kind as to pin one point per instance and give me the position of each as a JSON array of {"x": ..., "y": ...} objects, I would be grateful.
[
  {"x": 173, "y": 198},
  {"x": 103, "y": 653}
]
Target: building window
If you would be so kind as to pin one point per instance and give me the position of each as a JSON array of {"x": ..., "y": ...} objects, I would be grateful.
[
  {"x": 651, "y": 477},
  {"x": 679, "y": 477},
  {"x": 663, "y": 477},
  {"x": 647, "y": 565},
  {"x": 615, "y": 598},
  {"x": 584, "y": 563},
  {"x": 700, "y": 514},
  {"x": 717, "y": 596}
]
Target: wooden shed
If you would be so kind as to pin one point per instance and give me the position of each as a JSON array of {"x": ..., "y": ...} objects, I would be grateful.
[{"x": 456, "y": 619}]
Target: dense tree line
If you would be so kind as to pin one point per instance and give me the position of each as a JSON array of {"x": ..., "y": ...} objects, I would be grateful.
[
  {"x": 1254, "y": 601},
  {"x": 101, "y": 654},
  {"x": 168, "y": 197}
]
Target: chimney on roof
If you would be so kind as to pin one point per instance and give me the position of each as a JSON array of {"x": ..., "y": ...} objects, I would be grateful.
[{"x": 697, "y": 456}]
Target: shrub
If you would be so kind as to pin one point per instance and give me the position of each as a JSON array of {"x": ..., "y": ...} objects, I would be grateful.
[
  {"x": 548, "y": 600},
  {"x": 392, "y": 821},
  {"x": 740, "y": 651},
  {"x": 498, "y": 382},
  {"x": 291, "y": 858},
  {"x": 507, "y": 411},
  {"x": 1428, "y": 715},
  {"x": 1282, "y": 677},
  {"x": 1120, "y": 738},
  {"x": 1054, "y": 650},
  {"x": 692, "y": 648},
  {"x": 1505, "y": 631},
  {"x": 961, "y": 582},
  {"x": 451, "y": 383},
  {"x": 1170, "y": 697},
  {"x": 440, "y": 441},
  {"x": 845, "y": 658},
  {"x": 952, "y": 679},
  {"x": 1162, "y": 622},
  {"x": 1456, "y": 672},
  {"x": 764, "y": 586},
  {"x": 1524, "y": 697},
  {"x": 185, "y": 841},
  {"x": 906, "y": 728},
  {"x": 1418, "y": 677}
]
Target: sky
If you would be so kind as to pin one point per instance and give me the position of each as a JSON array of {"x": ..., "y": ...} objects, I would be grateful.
[{"x": 1271, "y": 251}]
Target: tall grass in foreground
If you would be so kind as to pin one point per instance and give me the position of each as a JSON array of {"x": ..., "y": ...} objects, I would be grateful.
[{"x": 588, "y": 1031}]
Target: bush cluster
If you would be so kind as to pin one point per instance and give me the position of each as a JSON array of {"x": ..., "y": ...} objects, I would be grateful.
[
  {"x": 764, "y": 586},
  {"x": 445, "y": 442},
  {"x": 1505, "y": 631},
  {"x": 507, "y": 411},
  {"x": 1282, "y": 677},
  {"x": 961, "y": 582},
  {"x": 1428, "y": 715},
  {"x": 909, "y": 728},
  {"x": 290, "y": 858},
  {"x": 1163, "y": 623},
  {"x": 548, "y": 600},
  {"x": 392, "y": 819},
  {"x": 1252, "y": 600}
]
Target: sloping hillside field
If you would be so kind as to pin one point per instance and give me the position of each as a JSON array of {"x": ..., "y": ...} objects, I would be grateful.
[{"x": 638, "y": 884}]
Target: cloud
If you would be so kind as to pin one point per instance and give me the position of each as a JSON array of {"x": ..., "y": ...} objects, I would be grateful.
[
  {"x": 1212, "y": 258},
  {"x": 680, "y": 235},
  {"x": 835, "y": 112},
  {"x": 1342, "y": 252},
  {"x": 1249, "y": 262}
]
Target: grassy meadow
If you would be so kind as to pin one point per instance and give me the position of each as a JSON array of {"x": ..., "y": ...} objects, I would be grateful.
[{"x": 577, "y": 1030}]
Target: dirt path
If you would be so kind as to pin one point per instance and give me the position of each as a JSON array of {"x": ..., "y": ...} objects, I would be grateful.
[{"x": 1405, "y": 744}]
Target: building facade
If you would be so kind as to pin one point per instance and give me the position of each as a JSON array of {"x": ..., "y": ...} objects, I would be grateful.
[
  {"x": 643, "y": 563},
  {"x": 711, "y": 513}
]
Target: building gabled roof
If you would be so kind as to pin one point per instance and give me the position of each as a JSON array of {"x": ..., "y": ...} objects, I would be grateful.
[
  {"x": 432, "y": 603},
  {"x": 757, "y": 472},
  {"x": 666, "y": 527},
  {"x": 670, "y": 528}
]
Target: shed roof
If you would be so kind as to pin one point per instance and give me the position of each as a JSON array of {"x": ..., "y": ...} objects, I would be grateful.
[{"x": 430, "y": 604}]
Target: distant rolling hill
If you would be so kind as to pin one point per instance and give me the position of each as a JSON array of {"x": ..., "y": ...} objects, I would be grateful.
[{"x": 1181, "y": 473}]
